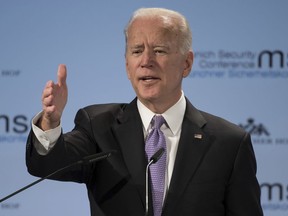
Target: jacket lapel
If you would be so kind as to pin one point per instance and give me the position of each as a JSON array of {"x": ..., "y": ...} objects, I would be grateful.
[
  {"x": 193, "y": 145},
  {"x": 129, "y": 133}
]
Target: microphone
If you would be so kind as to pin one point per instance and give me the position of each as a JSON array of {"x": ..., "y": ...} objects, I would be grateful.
[
  {"x": 86, "y": 160},
  {"x": 153, "y": 160},
  {"x": 96, "y": 157}
]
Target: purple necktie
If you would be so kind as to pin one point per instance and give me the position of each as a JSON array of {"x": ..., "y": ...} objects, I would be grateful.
[{"x": 156, "y": 140}]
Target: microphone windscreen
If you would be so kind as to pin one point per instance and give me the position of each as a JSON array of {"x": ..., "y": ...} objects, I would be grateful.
[{"x": 157, "y": 155}]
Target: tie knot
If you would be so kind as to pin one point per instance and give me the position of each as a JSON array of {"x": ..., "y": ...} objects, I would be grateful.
[{"x": 158, "y": 121}]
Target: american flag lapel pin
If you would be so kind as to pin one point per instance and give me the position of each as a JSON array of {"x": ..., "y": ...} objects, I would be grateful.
[{"x": 198, "y": 136}]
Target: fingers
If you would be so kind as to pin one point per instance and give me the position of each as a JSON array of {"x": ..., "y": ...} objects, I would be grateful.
[
  {"x": 48, "y": 89},
  {"x": 54, "y": 98},
  {"x": 62, "y": 75},
  {"x": 53, "y": 91},
  {"x": 47, "y": 97}
]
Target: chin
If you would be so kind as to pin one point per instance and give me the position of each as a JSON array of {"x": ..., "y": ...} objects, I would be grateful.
[{"x": 149, "y": 97}]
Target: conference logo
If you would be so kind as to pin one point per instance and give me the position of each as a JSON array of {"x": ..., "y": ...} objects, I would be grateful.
[
  {"x": 274, "y": 196},
  {"x": 268, "y": 64},
  {"x": 261, "y": 133},
  {"x": 14, "y": 128}
]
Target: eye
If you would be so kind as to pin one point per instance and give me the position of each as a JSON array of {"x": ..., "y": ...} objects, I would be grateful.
[
  {"x": 136, "y": 51},
  {"x": 160, "y": 51}
]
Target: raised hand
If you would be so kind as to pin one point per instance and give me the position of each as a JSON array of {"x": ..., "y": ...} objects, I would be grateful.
[{"x": 54, "y": 99}]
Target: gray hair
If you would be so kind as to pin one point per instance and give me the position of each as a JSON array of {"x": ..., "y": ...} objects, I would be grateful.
[{"x": 176, "y": 22}]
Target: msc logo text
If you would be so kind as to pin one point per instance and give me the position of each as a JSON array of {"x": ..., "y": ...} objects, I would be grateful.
[
  {"x": 18, "y": 124},
  {"x": 272, "y": 58}
]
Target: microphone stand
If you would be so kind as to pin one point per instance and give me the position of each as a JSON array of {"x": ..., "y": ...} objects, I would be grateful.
[
  {"x": 86, "y": 160},
  {"x": 153, "y": 160}
]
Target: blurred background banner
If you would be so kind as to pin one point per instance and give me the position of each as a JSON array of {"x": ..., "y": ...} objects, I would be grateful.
[{"x": 240, "y": 73}]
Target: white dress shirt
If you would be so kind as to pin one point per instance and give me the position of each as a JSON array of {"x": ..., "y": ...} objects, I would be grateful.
[{"x": 174, "y": 118}]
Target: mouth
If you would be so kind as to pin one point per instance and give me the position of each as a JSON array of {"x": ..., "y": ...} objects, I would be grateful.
[{"x": 148, "y": 78}]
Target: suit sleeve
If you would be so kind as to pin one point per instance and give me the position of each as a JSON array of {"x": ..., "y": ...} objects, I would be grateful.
[
  {"x": 243, "y": 193},
  {"x": 70, "y": 147}
]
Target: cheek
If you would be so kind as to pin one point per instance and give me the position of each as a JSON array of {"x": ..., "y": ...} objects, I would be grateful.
[
  {"x": 175, "y": 72},
  {"x": 128, "y": 70},
  {"x": 131, "y": 69},
  {"x": 128, "y": 74}
]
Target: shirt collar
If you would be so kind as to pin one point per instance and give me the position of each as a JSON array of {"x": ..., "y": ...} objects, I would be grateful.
[{"x": 173, "y": 116}]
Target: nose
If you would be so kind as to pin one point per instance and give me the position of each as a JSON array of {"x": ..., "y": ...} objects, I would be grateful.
[{"x": 147, "y": 59}]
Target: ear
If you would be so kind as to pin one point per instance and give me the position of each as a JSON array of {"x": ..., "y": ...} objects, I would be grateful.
[{"x": 188, "y": 63}]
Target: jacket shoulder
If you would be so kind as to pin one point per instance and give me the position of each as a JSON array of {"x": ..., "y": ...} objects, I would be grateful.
[
  {"x": 110, "y": 109},
  {"x": 216, "y": 123}
]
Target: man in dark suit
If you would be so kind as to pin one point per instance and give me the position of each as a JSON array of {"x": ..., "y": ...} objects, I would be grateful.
[{"x": 210, "y": 167}]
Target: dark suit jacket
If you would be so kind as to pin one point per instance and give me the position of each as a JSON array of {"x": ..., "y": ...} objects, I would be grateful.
[{"x": 213, "y": 175}]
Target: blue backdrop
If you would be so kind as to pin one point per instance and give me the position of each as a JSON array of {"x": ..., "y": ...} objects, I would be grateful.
[{"x": 240, "y": 73}]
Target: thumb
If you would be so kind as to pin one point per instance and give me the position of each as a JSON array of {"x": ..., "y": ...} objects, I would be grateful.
[{"x": 61, "y": 75}]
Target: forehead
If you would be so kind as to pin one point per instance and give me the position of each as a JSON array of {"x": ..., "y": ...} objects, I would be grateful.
[{"x": 148, "y": 28}]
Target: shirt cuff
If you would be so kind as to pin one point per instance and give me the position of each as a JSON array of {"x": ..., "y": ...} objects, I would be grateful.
[{"x": 46, "y": 138}]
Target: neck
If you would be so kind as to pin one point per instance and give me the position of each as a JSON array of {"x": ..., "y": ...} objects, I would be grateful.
[{"x": 157, "y": 106}]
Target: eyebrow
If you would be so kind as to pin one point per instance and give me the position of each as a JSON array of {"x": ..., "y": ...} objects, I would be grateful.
[
  {"x": 161, "y": 46},
  {"x": 137, "y": 46}
]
